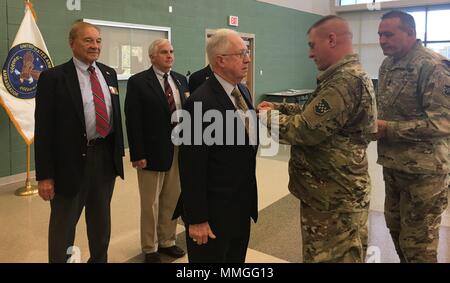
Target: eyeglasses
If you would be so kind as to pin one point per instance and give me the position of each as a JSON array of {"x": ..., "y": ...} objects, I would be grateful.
[{"x": 240, "y": 54}]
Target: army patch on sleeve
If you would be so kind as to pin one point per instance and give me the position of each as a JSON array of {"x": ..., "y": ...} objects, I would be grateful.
[
  {"x": 322, "y": 107},
  {"x": 447, "y": 90}
]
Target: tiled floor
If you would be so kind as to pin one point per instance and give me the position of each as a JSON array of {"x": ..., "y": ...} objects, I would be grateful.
[{"x": 275, "y": 238}]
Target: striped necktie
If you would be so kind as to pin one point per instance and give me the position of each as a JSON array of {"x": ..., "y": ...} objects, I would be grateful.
[
  {"x": 241, "y": 105},
  {"x": 101, "y": 114},
  {"x": 240, "y": 101},
  {"x": 169, "y": 94}
]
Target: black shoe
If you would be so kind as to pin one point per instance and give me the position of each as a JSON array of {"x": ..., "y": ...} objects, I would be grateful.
[
  {"x": 172, "y": 251},
  {"x": 152, "y": 258}
]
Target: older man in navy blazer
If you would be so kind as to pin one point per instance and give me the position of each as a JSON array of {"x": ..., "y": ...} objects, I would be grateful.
[
  {"x": 79, "y": 145},
  {"x": 153, "y": 96},
  {"x": 218, "y": 181}
]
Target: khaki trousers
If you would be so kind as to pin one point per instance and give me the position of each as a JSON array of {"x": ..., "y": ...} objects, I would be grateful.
[{"x": 159, "y": 193}]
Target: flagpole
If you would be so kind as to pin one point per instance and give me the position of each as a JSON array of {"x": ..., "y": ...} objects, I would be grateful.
[{"x": 29, "y": 189}]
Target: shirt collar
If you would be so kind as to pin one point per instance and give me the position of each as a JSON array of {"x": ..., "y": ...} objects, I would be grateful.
[
  {"x": 226, "y": 85},
  {"x": 351, "y": 58},
  {"x": 82, "y": 66},
  {"x": 158, "y": 72},
  {"x": 403, "y": 62}
]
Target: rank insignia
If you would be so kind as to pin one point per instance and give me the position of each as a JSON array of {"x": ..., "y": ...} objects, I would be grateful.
[{"x": 322, "y": 107}]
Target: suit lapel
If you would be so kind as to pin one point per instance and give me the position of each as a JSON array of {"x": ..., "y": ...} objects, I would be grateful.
[
  {"x": 220, "y": 94},
  {"x": 208, "y": 72},
  {"x": 111, "y": 82},
  {"x": 179, "y": 86},
  {"x": 247, "y": 97},
  {"x": 156, "y": 86},
  {"x": 73, "y": 86}
]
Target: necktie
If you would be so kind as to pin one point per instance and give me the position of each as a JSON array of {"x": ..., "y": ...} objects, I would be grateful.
[
  {"x": 239, "y": 99},
  {"x": 169, "y": 94},
  {"x": 101, "y": 114},
  {"x": 240, "y": 104}
]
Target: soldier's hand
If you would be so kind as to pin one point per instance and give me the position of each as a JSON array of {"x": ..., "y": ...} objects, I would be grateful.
[
  {"x": 140, "y": 164},
  {"x": 46, "y": 189},
  {"x": 382, "y": 127},
  {"x": 265, "y": 105},
  {"x": 200, "y": 233}
]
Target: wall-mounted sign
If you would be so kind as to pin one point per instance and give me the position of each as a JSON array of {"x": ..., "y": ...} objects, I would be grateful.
[{"x": 233, "y": 21}]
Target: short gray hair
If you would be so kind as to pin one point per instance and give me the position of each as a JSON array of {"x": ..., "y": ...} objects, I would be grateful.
[
  {"x": 218, "y": 43},
  {"x": 155, "y": 44}
]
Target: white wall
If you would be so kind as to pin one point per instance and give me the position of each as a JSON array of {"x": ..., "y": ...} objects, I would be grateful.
[{"x": 319, "y": 7}]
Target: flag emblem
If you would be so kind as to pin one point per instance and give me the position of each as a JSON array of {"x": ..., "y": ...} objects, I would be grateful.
[
  {"x": 322, "y": 107},
  {"x": 22, "y": 69},
  {"x": 26, "y": 60}
]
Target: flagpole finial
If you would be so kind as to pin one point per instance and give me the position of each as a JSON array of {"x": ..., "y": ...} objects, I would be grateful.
[{"x": 30, "y": 6}]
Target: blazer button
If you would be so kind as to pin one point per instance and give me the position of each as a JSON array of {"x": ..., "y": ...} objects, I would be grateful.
[{"x": 84, "y": 155}]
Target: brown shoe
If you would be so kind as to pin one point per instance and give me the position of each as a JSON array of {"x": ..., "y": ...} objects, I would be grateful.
[
  {"x": 172, "y": 251},
  {"x": 152, "y": 258}
]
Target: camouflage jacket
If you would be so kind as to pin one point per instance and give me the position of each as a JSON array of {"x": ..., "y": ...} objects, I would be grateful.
[
  {"x": 329, "y": 135},
  {"x": 414, "y": 97}
]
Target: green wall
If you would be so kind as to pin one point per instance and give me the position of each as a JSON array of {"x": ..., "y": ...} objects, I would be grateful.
[{"x": 280, "y": 38}]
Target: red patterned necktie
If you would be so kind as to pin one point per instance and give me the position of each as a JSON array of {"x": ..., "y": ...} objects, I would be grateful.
[
  {"x": 101, "y": 114},
  {"x": 169, "y": 94}
]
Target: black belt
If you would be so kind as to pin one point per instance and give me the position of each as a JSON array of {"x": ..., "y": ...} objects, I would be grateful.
[{"x": 97, "y": 141}]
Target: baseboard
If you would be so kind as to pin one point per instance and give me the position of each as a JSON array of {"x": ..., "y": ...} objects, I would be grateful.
[{"x": 22, "y": 177}]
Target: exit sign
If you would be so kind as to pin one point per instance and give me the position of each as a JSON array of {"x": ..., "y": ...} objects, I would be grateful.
[{"x": 233, "y": 21}]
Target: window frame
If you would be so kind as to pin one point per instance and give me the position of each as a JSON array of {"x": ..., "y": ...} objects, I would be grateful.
[{"x": 129, "y": 26}]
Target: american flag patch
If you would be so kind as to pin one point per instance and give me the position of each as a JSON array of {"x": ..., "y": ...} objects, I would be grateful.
[{"x": 322, "y": 107}]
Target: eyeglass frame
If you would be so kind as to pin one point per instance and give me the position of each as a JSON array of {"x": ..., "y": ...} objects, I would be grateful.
[{"x": 241, "y": 54}]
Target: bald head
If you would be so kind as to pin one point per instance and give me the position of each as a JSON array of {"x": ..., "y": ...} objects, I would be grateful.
[
  {"x": 330, "y": 39},
  {"x": 79, "y": 26}
]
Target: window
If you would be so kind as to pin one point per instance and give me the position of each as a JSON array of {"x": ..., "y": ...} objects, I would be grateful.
[
  {"x": 354, "y": 2},
  {"x": 432, "y": 27},
  {"x": 125, "y": 46}
]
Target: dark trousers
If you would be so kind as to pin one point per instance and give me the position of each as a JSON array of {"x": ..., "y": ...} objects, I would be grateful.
[
  {"x": 95, "y": 195},
  {"x": 230, "y": 245}
]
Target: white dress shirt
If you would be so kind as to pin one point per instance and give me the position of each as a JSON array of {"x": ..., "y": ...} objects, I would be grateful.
[{"x": 88, "y": 98}]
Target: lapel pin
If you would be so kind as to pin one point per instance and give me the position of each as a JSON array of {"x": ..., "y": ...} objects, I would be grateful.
[{"x": 113, "y": 90}]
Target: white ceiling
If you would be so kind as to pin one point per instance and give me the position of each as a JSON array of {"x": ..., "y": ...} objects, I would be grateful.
[{"x": 320, "y": 7}]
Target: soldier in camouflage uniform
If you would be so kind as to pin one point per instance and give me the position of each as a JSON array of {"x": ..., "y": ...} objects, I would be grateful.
[
  {"x": 414, "y": 131},
  {"x": 329, "y": 135}
]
